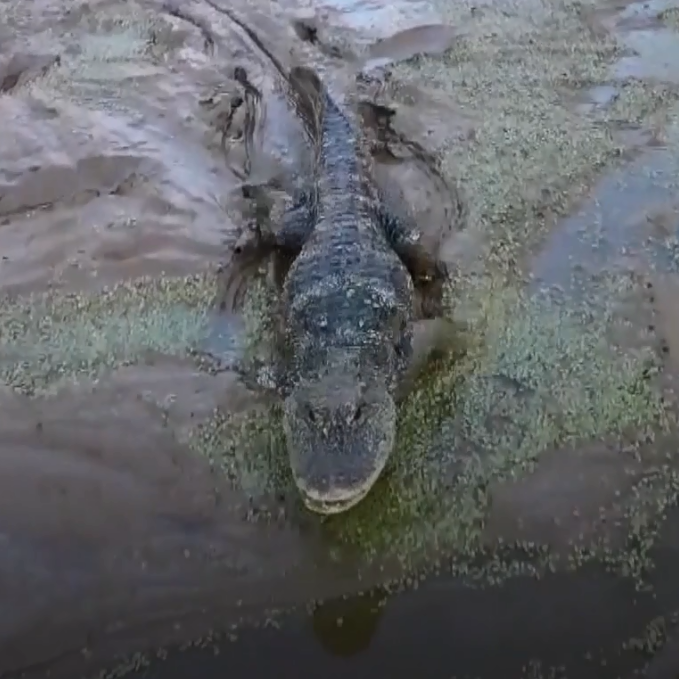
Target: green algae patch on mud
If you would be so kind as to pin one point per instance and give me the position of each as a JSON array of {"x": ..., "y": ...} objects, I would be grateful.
[
  {"x": 248, "y": 448},
  {"x": 541, "y": 379},
  {"x": 508, "y": 73},
  {"x": 646, "y": 513},
  {"x": 639, "y": 101},
  {"x": 48, "y": 337},
  {"x": 516, "y": 71},
  {"x": 542, "y": 376}
]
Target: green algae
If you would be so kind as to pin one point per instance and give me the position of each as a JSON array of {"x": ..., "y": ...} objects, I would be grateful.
[
  {"x": 541, "y": 374},
  {"x": 544, "y": 381},
  {"x": 47, "y": 337},
  {"x": 517, "y": 71},
  {"x": 639, "y": 102},
  {"x": 546, "y": 375},
  {"x": 543, "y": 377},
  {"x": 485, "y": 417},
  {"x": 645, "y": 516},
  {"x": 529, "y": 146}
]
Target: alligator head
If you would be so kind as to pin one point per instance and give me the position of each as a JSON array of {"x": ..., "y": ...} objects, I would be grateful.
[{"x": 340, "y": 431}]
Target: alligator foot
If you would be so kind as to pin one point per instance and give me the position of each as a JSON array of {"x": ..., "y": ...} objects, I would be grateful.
[
  {"x": 249, "y": 254},
  {"x": 254, "y": 243},
  {"x": 429, "y": 275},
  {"x": 256, "y": 375},
  {"x": 259, "y": 377},
  {"x": 433, "y": 339},
  {"x": 208, "y": 362},
  {"x": 428, "y": 272}
]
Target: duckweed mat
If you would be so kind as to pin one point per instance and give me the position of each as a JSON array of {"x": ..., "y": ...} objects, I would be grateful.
[
  {"x": 523, "y": 73},
  {"x": 543, "y": 377},
  {"x": 51, "y": 336}
]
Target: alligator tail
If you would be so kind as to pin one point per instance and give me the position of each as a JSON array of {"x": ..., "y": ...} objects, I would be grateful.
[{"x": 332, "y": 135}]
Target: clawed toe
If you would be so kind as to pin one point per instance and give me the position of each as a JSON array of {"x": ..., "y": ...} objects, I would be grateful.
[
  {"x": 431, "y": 287},
  {"x": 249, "y": 240}
]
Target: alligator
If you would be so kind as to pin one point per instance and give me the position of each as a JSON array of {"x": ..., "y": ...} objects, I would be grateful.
[
  {"x": 348, "y": 311},
  {"x": 354, "y": 280}
]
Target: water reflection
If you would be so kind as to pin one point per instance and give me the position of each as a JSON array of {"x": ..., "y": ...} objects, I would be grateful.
[
  {"x": 346, "y": 626},
  {"x": 585, "y": 625}
]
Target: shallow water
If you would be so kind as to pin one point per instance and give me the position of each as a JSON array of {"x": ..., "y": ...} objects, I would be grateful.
[
  {"x": 121, "y": 534},
  {"x": 562, "y": 626},
  {"x": 616, "y": 222}
]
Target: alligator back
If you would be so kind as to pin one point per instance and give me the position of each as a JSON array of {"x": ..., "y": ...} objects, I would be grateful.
[{"x": 347, "y": 288}]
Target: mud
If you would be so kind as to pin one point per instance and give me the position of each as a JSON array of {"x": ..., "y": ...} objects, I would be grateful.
[{"x": 148, "y": 519}]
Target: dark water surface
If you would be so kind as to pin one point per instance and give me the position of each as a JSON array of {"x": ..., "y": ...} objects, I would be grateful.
[
  {"x": 585, "y": 625},
  {"x": 443, "y": 631}
]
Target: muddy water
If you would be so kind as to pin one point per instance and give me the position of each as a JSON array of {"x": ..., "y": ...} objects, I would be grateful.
[{"x": 526, "y": 524}]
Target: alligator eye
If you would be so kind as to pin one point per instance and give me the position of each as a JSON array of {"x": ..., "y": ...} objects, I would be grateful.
[
  {"x": 358, "y": 413},
  {"x": 311, "y": 415}
]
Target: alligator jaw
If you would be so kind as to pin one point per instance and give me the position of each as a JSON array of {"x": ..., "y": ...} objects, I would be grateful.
[
  {"x": 337, "y": 501},
  {"x": 330, "y": 507}
]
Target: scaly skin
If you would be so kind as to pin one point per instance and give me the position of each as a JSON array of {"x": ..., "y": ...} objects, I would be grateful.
[
  {"x": 348, "y": 302},
  {"x": 347, "y": 305},
  {"x": 347, "y": 313}
]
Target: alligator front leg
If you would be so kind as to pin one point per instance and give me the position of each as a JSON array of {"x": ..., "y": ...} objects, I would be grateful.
[
  {"x": 259, "y": 369},
  {"x": 261, "y": 377},
  {"x": 259, "y": 243},
  {"x": 266, "y": 375},
  {"x": 428, "y": 272},
  {"x": 288, "y": 239},
  {"x": 433, "y": 339}
]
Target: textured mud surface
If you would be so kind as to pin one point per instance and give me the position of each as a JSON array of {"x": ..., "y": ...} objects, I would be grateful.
[{"x": 144, "y": 499}]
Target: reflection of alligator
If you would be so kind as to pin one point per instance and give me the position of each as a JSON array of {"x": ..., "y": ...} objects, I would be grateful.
[
  {"x": 348, "y": 312},
  {"x": 346, "y": 626},
  {"x": 347, "y": 307}
]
